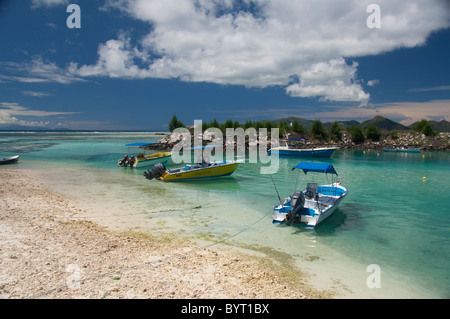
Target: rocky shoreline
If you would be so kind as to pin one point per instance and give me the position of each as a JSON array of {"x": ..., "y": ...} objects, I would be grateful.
[
  {"x": 402, "y": 140},
  {"x": 405, "y": 140}
]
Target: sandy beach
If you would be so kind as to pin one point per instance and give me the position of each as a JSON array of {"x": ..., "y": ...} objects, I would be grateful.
[{"x": 48, "y": 251}]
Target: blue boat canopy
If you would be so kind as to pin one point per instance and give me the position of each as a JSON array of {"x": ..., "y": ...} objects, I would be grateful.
[
  {"x": 316, "y": 167},
  {"x": 140, "y": 144}
]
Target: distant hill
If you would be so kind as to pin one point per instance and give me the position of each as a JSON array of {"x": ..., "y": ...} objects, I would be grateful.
[
  {"x": 441, "y": 126},
  {"x": 348, "y": 123},
  {"x": 380, "y": 122},
  {"x": 342, "y": 124},
  {"x": 383, "y": 123}
]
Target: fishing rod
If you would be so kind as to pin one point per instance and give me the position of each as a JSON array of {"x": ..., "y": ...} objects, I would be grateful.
[{"x": 275, "y": 188}]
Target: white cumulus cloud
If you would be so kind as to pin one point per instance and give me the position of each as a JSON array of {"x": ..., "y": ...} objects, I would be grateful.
[
  {"x": 47, "y": 3},
  {"x": 260, "y": 43},
  {"x": 330, "y": 81}
]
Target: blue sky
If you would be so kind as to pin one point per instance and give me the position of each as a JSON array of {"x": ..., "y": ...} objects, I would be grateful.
[{"x": 135, "y": 63}]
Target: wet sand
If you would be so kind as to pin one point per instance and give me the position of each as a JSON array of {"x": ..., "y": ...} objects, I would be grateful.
[{"x": 48, "y": 251}]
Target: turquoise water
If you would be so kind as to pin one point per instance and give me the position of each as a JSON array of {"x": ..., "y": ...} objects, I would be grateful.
[{"x": 392, "y": 217}]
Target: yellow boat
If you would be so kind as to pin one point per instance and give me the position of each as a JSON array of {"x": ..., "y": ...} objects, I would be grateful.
[{"x": 192, "y": 172}]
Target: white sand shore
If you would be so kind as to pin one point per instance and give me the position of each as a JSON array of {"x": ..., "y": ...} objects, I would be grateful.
[{"x": 47, "y": 251}]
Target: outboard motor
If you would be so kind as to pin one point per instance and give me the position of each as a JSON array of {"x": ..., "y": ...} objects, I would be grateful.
[
  {"x": 297, "y": 203},
  {"x": 124, "y": 161},
  {"x": 156, "y": 171}
]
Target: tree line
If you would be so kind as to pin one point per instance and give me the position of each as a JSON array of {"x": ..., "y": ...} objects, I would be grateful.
[{"x": 317, "y": 131}]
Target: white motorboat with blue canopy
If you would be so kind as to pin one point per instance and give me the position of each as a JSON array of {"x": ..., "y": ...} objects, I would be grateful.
[{"x": 316, "y": 202}]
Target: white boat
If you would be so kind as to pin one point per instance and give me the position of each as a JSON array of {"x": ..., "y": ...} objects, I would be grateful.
[
  {"x": 402, "y": 150},
  {"x": 9, "y": 160},
  {"x": 315, "y": 203},
  {"x": 289, "y": 150}
]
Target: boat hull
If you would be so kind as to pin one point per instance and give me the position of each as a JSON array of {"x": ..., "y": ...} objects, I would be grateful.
[
  {"x": 313, "y": 221},
  {"x": 201, "y": 173},
  {"x": 399, "y": 150},
  {"x": 303, "y": 152},
  {"x": 9, "y": 160},
  {"x": 149, "y": 160},
  {"x": 152, "y": 160},
  {"x": 313, "y": 214}
]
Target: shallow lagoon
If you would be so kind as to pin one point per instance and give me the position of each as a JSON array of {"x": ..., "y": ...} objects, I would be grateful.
[{"x": 391, "y": 217}]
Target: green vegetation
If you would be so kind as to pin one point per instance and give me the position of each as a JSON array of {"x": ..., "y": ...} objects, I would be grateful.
[
  {"x": 227, "y": 124},
  {"x": 357, "y": 134},
  {"x": 335, "y": 131},
  {"x": 284, "y": 128},
  {"x": 318, "y": 130},
  {"x": 394, "y": 134},
  {"x": 175, "y": 123},
  {"x": 373, "y": 133},
  {"x": 214, "y": 123},
  {"x": 297, "y": 127},
  {"x": 373, "y": 130},
  {"x": 424, "y": 127}
]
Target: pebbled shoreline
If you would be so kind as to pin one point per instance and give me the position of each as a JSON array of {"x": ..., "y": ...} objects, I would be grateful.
[{"x": 48, "y": 252}]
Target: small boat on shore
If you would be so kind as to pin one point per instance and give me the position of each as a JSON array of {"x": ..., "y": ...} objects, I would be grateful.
[
  {"x": 315, "y": 203},
  {"x": 403, "y": 150},
  {"x": 192, "y": 172},
  {"x": 9, "y": 160},
  {"x": 141, "y": 159},
  {"x": 289, "y": 150}
]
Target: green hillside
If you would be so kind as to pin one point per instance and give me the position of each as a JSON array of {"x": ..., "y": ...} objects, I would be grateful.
[
  {"x": 383, "y": 123},
  {"x": 441, "y": 126}
]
